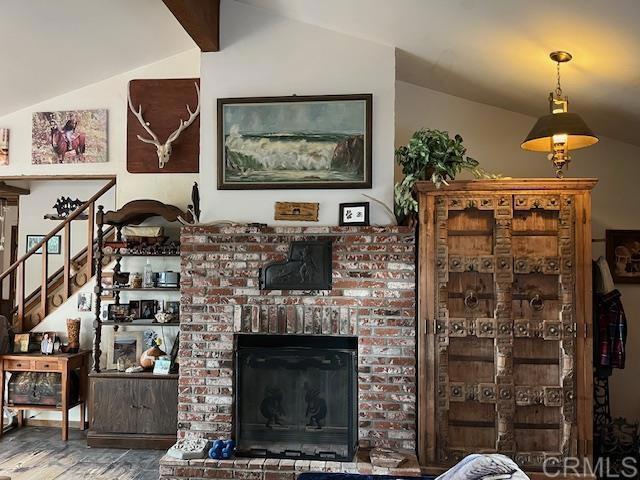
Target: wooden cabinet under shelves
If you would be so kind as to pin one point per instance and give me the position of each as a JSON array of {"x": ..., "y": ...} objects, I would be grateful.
[
  {"x": 132, "y": 410},
  {"x": 504, "y": 302}
]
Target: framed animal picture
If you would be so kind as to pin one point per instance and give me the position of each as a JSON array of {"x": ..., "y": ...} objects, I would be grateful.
[
  {"x": 296, "y": 142},
  {"x": 623, "y": 255},
  {"x": 354, "y": 214},
  {"x": 78, "y": 136}
]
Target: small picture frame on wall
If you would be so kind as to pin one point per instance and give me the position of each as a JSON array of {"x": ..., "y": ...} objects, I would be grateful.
[
  {"x": 53, "y": 245},
  {"x": 354, "y": 214},
  {"x": 623, "y": 255},
  {"x": 84, "y": 301}
]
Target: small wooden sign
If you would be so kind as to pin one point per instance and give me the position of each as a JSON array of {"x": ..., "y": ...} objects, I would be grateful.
[{"x": 297, "y": 211}]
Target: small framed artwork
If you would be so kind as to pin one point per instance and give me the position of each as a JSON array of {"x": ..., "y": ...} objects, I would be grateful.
[
  {"x": 124, "y": 350},
  {"x": 172, "y": 307},
  {"x": 148, "y": 309},
  {"x": 21, "y": 343},
  {"x": 4, "y": 146},
  {"x": 47, "y": 344},
  {"x": 354, "y": 214},
  {"x": 623, "y": 255},
  {"x": 53, "y": 245},
  {"x": 295, "y": 142},
  {"x": 118, "y": 313},
  {"x": 134, "y": 308},
  {"x": 107, "y": 282},
  {"x": 162, "y": 366},
  {"x": 84, "y": 301}
]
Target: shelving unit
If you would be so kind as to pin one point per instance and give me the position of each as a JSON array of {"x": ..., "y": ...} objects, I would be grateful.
[{"x": 147, "y": 403}]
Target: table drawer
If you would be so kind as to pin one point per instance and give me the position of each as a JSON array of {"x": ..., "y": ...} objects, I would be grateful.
[
  {"x": 47, "y": 365},
  {"x": 18, "y": 365}
]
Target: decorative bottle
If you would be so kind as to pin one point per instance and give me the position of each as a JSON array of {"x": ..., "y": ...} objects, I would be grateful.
[{"x": 147, "y": 281}]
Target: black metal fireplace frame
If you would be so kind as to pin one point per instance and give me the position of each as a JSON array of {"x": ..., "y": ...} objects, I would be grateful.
[{"x": 260, "y": 341}]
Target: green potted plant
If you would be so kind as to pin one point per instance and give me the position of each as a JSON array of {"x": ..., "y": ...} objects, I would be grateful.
[{"x": 429, "y": 155}]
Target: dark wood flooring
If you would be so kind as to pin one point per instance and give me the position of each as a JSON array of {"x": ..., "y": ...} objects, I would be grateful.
[{"x": 38, "y": 453}]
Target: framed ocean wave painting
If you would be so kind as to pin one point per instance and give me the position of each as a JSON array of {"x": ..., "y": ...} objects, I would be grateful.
[{"x": 297, "y": 142}]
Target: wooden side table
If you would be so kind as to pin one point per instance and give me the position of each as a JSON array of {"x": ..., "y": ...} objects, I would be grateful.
[{"x": 63, "y": 363}]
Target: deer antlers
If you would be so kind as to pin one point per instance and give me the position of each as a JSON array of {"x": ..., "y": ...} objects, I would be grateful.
[{"x": 163, "y": 149}]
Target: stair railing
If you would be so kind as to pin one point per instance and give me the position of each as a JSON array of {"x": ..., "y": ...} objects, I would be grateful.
[{"x": 17, "y": 269}]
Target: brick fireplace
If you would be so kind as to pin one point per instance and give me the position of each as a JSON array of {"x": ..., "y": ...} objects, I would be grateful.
[{"x": 372, "y": 299}]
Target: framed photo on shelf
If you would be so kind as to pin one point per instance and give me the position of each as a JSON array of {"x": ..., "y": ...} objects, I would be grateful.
[
  {"x": 354, "y": 214},
  {"x": 134, "y": 308},
  {"x": 126, "y": 347},
  {"x": 319, "y": 141},
  {"x": 106, "y": 281},
  {"x": 148, "y": 309},
  {"x": 162, "y": 366},
  {"x": 623, "y": 255},
  {"x": 117, "y": 313},
  {"x": 172, "y": 307},
  {"x": 21, "y": 343},
  {"x": 53, "y": 245}
]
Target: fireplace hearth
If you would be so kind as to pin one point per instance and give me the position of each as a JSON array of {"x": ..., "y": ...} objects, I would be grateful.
[{"x": 296, "y": 396}]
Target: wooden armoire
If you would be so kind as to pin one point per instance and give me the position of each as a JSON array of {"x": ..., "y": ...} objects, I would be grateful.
[{"x": 505, "y": 346}]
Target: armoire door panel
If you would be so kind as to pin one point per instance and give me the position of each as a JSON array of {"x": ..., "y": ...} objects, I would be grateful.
[{"x": 503, "y": 293}]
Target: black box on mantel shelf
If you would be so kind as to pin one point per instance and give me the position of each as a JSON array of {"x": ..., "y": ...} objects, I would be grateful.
[{"x": 296, "y": 396}]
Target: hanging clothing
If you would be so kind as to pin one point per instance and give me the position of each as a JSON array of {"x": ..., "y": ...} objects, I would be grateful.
[{"x": 610, "y": 322}]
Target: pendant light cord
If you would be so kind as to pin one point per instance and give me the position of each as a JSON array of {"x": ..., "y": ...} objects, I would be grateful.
[{"x": 558, "y": 87}]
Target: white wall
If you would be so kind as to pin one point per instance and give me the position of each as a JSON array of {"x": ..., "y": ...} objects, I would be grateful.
[
  {"x": 112, "y": 95},
  {"x": 493, "y": 136},
  {"x": 39, "y": 202},
  {"x": 266, "y": 55}
]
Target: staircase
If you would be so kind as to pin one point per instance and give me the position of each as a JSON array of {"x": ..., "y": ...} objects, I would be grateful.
[{"x": 56, "y": 288}]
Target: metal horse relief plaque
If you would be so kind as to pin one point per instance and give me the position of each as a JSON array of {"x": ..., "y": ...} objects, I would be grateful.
[{"x": 308, "y": 267}]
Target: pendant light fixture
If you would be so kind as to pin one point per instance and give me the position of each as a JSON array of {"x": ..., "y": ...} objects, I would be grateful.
[{"x": 560, "y": 131}]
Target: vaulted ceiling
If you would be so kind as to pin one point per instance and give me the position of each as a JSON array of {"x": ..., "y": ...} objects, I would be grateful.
[
  {"x": 50, "y": 47},
  {"x": 490, "y": 51},
  {"x": 496, "y": 51}
]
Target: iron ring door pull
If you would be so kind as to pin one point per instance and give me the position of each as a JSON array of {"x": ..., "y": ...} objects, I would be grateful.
[
  {"x": 471, "y": 300},
  {"x": 537, "y": 303}
]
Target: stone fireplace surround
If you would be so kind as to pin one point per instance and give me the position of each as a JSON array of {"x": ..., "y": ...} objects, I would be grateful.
[{"x": 373, "y": 298}]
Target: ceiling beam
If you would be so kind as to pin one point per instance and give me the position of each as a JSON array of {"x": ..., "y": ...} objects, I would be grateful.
[{"x": 200, "y": 19}]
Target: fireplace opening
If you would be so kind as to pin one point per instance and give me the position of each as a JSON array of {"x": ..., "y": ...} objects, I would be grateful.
[{"x": 296, "y": 396}]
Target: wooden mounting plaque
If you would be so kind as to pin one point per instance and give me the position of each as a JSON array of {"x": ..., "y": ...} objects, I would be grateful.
[
  {"x": 163, "y": 106},
  {"x": 297, "y": 211}
]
